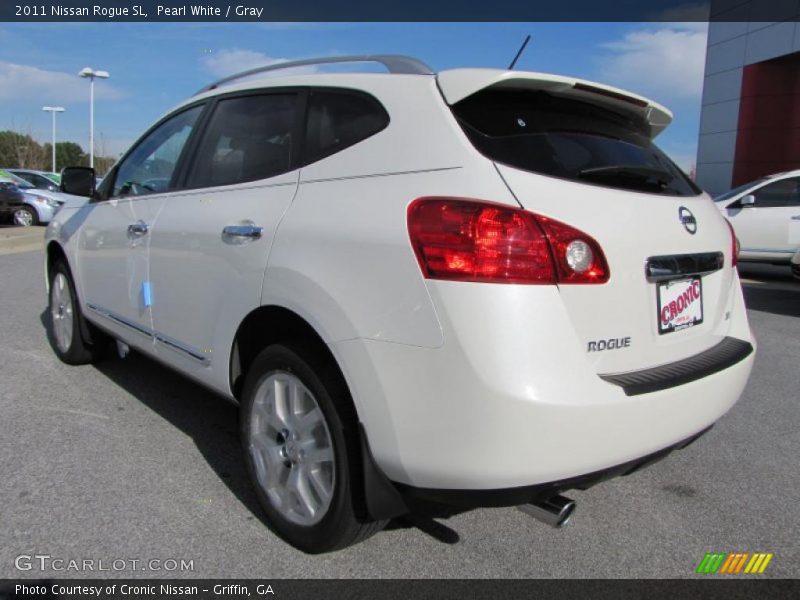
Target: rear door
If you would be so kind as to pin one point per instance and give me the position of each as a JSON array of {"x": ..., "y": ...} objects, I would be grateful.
[
  {"x": 767, "y": 227},
  {"x": 596, "y": 169},
  {"x": 210, "y": 243}
]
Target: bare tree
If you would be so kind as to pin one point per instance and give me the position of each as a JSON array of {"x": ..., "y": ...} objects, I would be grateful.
[{"x": 26, "y": 151}]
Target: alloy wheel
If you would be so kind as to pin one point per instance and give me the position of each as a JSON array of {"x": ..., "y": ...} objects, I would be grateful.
[
  {"x": 61, "y": 311},
  {"x": 292, "y": 449},
  {"x": 23, "y": 217}
]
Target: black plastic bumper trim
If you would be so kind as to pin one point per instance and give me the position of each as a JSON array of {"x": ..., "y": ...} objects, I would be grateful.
[
  {"x": 725, "y": 354},
  {"x": 443, "y": 502}
]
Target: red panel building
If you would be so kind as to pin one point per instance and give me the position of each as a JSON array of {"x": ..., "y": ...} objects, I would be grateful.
[{"x": 750, "y": 120}]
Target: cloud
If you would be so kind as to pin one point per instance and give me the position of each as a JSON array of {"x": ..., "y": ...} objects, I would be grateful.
[
  {"x": 24, "y": 82},
  {"x": 665, "y": 63},
  {"x": 233, "y": 60}
]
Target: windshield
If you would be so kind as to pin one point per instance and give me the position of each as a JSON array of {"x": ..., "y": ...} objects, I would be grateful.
[
  {"x": 539, "y": 132},
  {"x": 738, "y": 190}
]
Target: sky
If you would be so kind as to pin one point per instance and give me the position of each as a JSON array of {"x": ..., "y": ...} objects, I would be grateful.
[{"x": 154, "y": 66}]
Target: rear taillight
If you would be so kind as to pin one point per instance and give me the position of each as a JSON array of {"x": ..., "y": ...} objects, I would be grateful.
[
  {"x": 469, "y": 240},
  {"x": 578, "y": 257},
  {"x": 734, "y": 244}
]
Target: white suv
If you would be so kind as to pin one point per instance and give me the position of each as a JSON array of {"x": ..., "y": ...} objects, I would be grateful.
[{"x": 425, "y": 291}]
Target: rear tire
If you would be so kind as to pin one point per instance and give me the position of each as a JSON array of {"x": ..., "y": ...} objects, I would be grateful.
[
  {"x": 301, "y": 449},
  {"x": 69, "y": 333}
]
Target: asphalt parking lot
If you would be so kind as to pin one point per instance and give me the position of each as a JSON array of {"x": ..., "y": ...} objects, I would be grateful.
[{"x": 127, "y": 460}]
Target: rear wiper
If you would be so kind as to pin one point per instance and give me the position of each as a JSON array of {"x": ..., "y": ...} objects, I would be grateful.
[{"x": 641, "y": 175}]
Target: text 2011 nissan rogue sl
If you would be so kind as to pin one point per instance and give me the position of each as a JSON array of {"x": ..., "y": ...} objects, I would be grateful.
[{"x": 426, "y": 291}]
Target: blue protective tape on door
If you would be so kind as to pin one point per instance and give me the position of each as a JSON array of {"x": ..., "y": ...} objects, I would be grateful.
[{"x": 147, "y": 294}]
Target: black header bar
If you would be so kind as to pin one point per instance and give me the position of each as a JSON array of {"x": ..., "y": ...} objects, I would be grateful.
[{"x": 404, "y": 10}]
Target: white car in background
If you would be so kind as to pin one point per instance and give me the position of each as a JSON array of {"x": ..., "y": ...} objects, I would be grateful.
[
  {"x": 474, "y": 288},
  {"x": 765, "y": 215}
]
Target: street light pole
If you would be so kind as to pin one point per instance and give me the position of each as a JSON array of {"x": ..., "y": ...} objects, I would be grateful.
[
  {"x": 53, "y": 110},
  {"x": 91, "y": 75}
]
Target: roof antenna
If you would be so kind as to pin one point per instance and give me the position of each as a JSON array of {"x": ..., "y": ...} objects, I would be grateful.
[{"x": 521, "y": 49}]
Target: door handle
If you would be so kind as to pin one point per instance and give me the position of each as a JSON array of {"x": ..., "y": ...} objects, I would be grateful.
[
  {"x": 796, "y": 218},
  {"x": 242, "y": 231},
  {"x": 138, "y": 229}
]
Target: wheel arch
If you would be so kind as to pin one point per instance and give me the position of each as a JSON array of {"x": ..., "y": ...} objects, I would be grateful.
[
  {"x": 272, "y": 324},
  {"x": 54, "y": 253}
]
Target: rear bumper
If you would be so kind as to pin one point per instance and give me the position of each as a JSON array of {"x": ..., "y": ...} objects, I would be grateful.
[
  {"x": 444, "y": 501},
  {"x": 495, "y": 408}
]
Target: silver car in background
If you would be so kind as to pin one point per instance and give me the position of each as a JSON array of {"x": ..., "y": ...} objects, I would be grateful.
[{"x": 40, "y": 205}]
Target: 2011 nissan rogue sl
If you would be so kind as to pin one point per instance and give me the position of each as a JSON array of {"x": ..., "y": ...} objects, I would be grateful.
[{"x": 426, "y": 291}]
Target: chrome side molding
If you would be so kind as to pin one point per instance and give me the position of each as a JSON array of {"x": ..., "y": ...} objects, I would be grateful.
[{"x": 166, "y": 341}]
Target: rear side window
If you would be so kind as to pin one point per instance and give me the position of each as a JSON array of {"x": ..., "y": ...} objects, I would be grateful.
[
  {"x": 340, "y": 119},
  {"x": 542, "y": 133},
  {"x": 247, "y": 138}
]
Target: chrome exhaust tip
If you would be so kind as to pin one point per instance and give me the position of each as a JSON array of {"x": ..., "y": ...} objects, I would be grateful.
[{"x": 554, "y": 511}]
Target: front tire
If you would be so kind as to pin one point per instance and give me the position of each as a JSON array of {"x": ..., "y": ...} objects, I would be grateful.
[
  {"x": 301, "y": 449},
  {"x": 25, "y": 216},
  {"x": 68, "y": 332}
]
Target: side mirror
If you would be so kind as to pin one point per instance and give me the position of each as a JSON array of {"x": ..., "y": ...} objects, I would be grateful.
[
  {"x": 748, "y": 200},
  {"x": 78, "y": 181}
]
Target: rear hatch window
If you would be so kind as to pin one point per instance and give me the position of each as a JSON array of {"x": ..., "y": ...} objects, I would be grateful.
[{"x": 540, "y": 132}]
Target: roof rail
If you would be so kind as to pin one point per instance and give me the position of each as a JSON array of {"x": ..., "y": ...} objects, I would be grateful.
[{"x": 394, "y": 63}]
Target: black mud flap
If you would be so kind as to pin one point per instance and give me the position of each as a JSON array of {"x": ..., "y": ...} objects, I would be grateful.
[{"x": 382, "y": 498}]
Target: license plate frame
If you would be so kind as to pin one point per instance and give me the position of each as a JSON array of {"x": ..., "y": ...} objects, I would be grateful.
[{"x": 679, "y": 304}]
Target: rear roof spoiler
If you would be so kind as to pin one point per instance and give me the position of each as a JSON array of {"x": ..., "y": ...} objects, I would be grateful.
[{"x": 457, "y": 84}]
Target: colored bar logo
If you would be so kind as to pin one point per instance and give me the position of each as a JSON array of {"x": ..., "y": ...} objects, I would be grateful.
[{"x": 734, "y": 563}]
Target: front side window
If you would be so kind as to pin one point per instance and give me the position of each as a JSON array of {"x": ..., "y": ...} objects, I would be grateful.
[
  {"x": 148, "y": 169},
  {"x": 41, "y": 182},
  {"x": 779, "y": 194},
  {"x": 29, "y": 177},
  {"x": 738, "y": 190},
  {"x": 247, "y": 139},
  {"x": 338, "y": 120}
]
